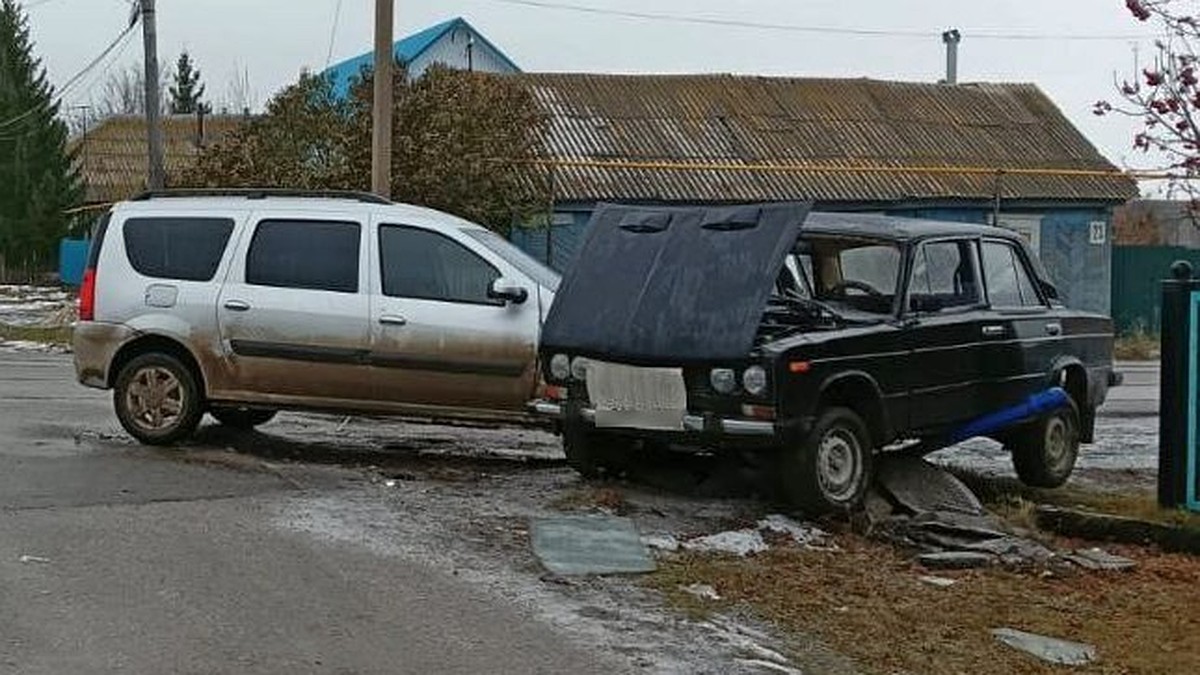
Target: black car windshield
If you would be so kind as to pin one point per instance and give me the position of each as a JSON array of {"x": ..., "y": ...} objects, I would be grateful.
[{"x": 859, "y": 275}]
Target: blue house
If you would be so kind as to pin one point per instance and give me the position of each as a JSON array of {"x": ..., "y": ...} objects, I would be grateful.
[
  {"x": 454, "y": 43},
  {"x": 977, "y": 153}
]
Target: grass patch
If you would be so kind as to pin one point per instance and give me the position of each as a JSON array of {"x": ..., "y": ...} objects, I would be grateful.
[
  {"x": 1010, "y": 498},
  {"x": 867, "y": 602},
  {"x": 1136, "y": 346},
  {"x": 58, "y": 335}
]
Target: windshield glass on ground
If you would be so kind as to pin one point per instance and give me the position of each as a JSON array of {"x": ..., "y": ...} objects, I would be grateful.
[
  {"x": 846, "y": 273},
  {"x": 544, "y": 276}
]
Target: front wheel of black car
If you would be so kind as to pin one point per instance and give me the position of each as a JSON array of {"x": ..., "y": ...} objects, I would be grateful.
[
  {"x": 595, "y": 453},
  {"x": 830, "y": 470},
  {"x": 1044, "y": 454}
]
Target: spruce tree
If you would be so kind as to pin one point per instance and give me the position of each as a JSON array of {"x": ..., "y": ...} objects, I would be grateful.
[
  {"x": 187, "y": 90},
  {"x": 38, "y": 176}
]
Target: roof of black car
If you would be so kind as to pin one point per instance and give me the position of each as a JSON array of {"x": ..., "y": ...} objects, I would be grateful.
[{"x": 894, "y": 227}]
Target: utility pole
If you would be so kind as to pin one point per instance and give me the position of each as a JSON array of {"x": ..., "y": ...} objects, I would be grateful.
[
  {"x": 381, "y": 128},
  {"x": 154, "y": 137}
]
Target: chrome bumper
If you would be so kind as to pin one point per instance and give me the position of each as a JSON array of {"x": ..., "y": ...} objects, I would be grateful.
[{"x": 691, "y": 423}]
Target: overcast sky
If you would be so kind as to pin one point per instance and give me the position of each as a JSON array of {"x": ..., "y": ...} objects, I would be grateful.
[{"x": 274, "y": 39}]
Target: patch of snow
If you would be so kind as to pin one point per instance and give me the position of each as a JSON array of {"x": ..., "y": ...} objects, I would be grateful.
[
  {"x": 737, "y": 542},
  {"x": 702, "y": 591},
  {"x": 661, "y": 542},
  {"x": 808, "y": 536}
]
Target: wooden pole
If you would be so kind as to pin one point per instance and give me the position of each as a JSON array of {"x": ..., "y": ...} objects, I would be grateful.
[
  {"x": 154, "y": 135},
  {"x": 381, "y": 129}
]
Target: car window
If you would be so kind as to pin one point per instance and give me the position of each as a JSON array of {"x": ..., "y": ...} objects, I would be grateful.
[
  {"x": 418, "y": 263},
  {"x": 313, "y": 254},
  {"x": 943, "y": 277},
  {"x": 1008, "y": 283},
  {"x": 876, "y": 266},
  {"x": 855, "y": 273},
  {"x": 187, "y": 249},
  {"x": 539, "y": 273}
]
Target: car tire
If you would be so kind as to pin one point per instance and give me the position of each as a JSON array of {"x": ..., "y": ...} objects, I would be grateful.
[
  {"x": 158, "y": 399},
  {"x": 243, "y": 419},
  {"x": 1044, "y": 454},
  {"x": 830, "y": 470},
  {"x": 594, "y": 453}
]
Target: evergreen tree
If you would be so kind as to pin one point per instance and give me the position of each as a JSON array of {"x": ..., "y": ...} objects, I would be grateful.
[
  {"x": 38, "y": 176},
  {"x": 187, "y": 90}
]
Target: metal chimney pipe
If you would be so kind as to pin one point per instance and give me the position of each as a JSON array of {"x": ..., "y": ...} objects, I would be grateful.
[{"x": 951, "y": 38}]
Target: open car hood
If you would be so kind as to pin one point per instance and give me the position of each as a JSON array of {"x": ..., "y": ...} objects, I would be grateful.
[{"x": 672, "y": 284}]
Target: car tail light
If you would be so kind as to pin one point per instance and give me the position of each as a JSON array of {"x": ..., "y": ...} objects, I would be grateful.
[{"x": 87, "y": 295}]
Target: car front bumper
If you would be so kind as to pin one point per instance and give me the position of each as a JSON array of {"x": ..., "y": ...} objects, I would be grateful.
[{"x": 709, "y": 424}]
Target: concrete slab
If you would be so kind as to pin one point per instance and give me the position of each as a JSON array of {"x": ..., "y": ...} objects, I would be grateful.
[
  {"x": 922, "y": 487},
  {"x": 1051, "y": 650},
  {"x": 580, "y": 545}
]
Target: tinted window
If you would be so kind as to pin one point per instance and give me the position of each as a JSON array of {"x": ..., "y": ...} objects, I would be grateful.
[
  {"x": 188, "y": 249},
  {"x": 418, "y": 263},
  {"x": 1008, "y": 283},
  {"x": 542, "y": 275},
  {"x": 312, "y": 254},
  {"x": 943, "y": 276}
]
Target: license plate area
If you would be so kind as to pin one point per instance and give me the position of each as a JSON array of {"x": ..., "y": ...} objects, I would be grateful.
[{"x": 637, "y": 398}]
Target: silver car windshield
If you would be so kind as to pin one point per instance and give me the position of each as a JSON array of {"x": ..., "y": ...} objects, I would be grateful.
[{"x": 542, "y": 275}]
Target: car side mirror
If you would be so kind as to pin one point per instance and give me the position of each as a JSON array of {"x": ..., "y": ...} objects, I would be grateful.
[
  {"x": 508, "y": 291},
  {"x": 925, "y": 303}
]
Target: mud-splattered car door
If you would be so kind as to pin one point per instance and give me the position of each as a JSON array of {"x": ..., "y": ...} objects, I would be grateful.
[
  {"x": 441, "y": 335},
  {"x": 293, "y": 313}
]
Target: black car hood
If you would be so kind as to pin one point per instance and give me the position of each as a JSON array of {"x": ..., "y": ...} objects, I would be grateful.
[{"x": 672, "y": 284}]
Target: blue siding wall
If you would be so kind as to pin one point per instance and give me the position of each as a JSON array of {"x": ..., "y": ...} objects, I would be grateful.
[{"x": 1081, "y": 270}]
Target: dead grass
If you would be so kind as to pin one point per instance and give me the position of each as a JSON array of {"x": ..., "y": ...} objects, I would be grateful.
[
  {"x": 58, "y": 335},
  {"x": 1137, "y": 345},
  {"x": 868, "y": 603},
  {"x": 592, "y": 498},
  {"x": 1009, "y": 498}
]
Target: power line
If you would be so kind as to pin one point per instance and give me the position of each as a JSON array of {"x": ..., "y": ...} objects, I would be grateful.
[
  {"x": 337, "y": 12},
  {"x": 77, "y": 77},
  {"x": 832, "y": 30}
]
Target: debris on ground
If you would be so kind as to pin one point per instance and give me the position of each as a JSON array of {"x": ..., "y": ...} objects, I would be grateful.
[
  {"x": 921, "y": 487},
  {"x": 33, "y": 559},
  {"x": 738, "y": 542},
  {"x": 591, "y": 544},
  {"x": 661, "y": 542},
  {"x": 1051, "y": 650},
  {"x": 1097, "y": 559},
  {"x": 803, "y": 534},
  {"x": 940, "y": 582},
  {"x": 702, "y": 591},
  {"x": 955, "y": 560},
  {"x": 752, "y": 643}
]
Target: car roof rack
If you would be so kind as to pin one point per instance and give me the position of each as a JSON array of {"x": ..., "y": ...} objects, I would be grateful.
[{"x": 261, "y": 193}]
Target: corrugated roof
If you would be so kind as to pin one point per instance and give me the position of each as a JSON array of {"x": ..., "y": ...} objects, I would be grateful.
[
  {"x": 876, "y": 140},
  {"x": 114, "y": 159}
]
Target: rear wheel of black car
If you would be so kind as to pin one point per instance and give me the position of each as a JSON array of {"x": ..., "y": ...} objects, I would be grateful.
[
  {"x": 1044, "y": 454},
  {"x": 241, "y": 418},
  {"x": 830, "y": 470},
  {"x": 595, "y": 453},
  {"x": 158, "y": 399}
]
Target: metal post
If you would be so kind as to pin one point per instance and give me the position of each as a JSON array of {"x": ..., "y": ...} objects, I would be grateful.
[
  {"x": 381, "y": 129},
  {"x": 1175, "y": 413},
  {"x": 154, "y": 134},
  {"x": 951, "y": 38}
]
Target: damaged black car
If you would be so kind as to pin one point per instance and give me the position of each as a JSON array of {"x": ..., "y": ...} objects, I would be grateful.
[{"x": 817, "y": 340}]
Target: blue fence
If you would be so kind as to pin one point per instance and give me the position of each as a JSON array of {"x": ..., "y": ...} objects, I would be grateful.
[{"x": 72, "y": 258}]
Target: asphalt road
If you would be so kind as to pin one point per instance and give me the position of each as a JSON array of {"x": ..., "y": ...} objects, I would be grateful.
[{"x": 119, "y": 559}]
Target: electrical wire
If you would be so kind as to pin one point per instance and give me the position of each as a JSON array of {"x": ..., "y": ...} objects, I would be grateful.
[
  {"x": 75, "y": 79},
  {"x": 832, "y": 30},
  {"x": 337, "y": 12}
]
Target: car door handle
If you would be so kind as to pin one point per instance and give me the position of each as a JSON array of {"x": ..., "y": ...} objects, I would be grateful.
[
  {"x": 993, "y": 331},
  {"x": 237, "y": 305},
  {"x": 392, "y": 320},
  {"x": 1054, "y": 328}
]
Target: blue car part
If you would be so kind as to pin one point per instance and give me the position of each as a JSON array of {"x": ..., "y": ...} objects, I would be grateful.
[{"x": 1033, "y": 407}]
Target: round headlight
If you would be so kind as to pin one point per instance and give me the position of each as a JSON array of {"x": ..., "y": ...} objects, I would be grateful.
[
  {"x": 755, "y": 380},
  {"x": 723, "y": 380},
  {"x": 560, "y": 367},
  {"x": 579, "y": 366}
]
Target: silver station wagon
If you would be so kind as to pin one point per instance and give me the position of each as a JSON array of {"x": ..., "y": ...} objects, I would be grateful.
[{"x": 242, "y": 303}]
